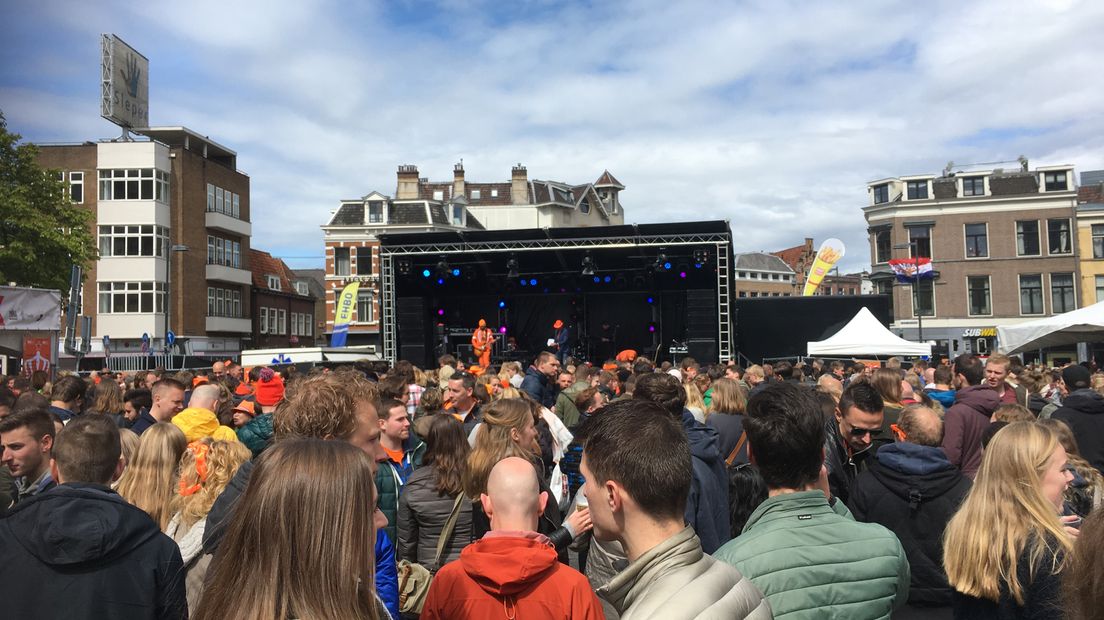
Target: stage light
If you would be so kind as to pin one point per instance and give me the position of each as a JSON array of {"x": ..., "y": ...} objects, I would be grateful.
[
  {"x": 404, "y": 267},
  {"x": 667, "y": 266},
  {"x": 589, "y": 266},
  {"x": 512, "y": 268},
  {"x": 501, "y": 304},
  {"x": 426, "y": 273},
  {"x": 597, "y": 279},
  {"x": 651, "y": 300},
  {"x": 524, "y": 282},
  {"x": 607, "y": 279},
  {"x": 455, "y": 272},
  {"x": 661, "y": 262},
  {"x": 440, "y": 312},
  {"x": 651, "y": 328},
  {"x": 682, "y": 274},
  {"x": 697, "y": 265},
  {"x": 440, "y": 280},
  {"x": 443, "y": 269},
  {"x": 533, "y": 282},
  {"x": 701, "y": 257},
  {"x": 502, "y": 330}
]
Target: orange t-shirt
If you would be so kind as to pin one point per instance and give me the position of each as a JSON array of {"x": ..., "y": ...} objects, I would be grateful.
[{"x": 396, "y": 456}]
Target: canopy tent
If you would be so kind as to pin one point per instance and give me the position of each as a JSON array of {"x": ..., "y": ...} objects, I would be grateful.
[
  {"x": 865, "y": 335},
  {"x": 1083, "y": 325}
]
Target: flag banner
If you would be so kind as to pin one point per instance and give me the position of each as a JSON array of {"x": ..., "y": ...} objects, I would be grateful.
[
  {"x": 30, "y": 309},
  {"x": 909, "y": 270},
  {"x": 36, "y": 354},
  {"x": 826, "y": 257},
  {"x": 346, "y": 303}
]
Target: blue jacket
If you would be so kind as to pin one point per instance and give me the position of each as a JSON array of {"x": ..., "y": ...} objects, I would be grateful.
[
  {"x": 943, "y": 397},
  {"x": 537, "y": 385},
  {"x": 707, "y": 505},
  {"x": 387, "y": 573}
]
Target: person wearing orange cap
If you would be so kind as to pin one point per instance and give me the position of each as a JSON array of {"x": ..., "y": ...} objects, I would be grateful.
[
  {"x": 559, "y": 341},
  {"x": 481, "y": 341}
]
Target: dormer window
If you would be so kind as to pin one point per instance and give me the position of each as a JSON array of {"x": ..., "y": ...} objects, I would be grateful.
[
  {"x": 973, "y": 186},
  {"x": 439, "y": 195},
  {"x": 273, "y": 282},
  {"x": 301, "y": 288},
  {"x": 458, "y": 215},
  {"x": 494, "y": 193},
  {"x": 881, "y": 193},
  {"x": 376, "y": 212},
  {"x": 476, "y": 194},
  {"x": 1055, "y": 181},
  {"x": 584, "y": 206},
  {"x": 917, "y": 190}
]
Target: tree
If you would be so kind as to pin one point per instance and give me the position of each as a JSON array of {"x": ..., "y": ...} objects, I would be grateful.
[{"x": 42, "y": 233}]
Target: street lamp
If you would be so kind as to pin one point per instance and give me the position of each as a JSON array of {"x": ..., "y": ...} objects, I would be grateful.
[
  {"x": 912, "y": 246},
  {"x": 168, "y": 288}
]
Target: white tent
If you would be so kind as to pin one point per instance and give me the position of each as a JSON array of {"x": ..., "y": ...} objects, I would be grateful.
[
  {"x": 1083, "y": 325},
  {"x": 865, "y": 335}
]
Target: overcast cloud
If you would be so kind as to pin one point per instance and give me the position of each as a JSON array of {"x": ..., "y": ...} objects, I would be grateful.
[{"x": 772, "y": 115}]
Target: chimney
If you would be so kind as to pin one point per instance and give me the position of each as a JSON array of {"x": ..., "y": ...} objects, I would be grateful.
[
  {"x": 519, "y": 185},
  {"x": 408, "y": 182},
  {"x": 458, "y": 179}
]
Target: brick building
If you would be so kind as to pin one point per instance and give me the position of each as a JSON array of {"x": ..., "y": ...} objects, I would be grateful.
[
  {"x": 284, "y": 308},
  {"x": 172, "y": 225},
  {"x": 315, "y": 281},
  {"x": 419, "y": 205},
  {"x": 1002, "y": 244},
  {"x": 760, "y": 274},
  {"x": 1090, "y": 236},
  {"x": 800, "y": 258}
]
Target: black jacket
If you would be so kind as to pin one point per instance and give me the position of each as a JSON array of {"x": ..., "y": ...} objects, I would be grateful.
[
  {"x": 540, "y": 387},
  {"x": 914, "y": 491},
  {"x": 81, "y": 551},
  {"x": 729, "y": 427},
  {"x": 844, "y": 467},
  {"x": 707, "y": 507},
  {"x": 1083, "y": 411},
  {"x": 1042, "y": 595}
]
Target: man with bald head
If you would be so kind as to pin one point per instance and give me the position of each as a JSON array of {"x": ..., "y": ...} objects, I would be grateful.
[
  {"x": 912, "y": 489},
  {"x": 512, "y": 569}
]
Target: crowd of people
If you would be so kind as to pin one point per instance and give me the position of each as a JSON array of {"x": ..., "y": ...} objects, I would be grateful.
[{"x": 967, "y": 488}]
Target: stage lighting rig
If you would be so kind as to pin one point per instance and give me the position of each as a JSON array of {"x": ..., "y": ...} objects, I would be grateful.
[
  {"x": 512, "y": 268},
  {"x": 589, "y": 267}
]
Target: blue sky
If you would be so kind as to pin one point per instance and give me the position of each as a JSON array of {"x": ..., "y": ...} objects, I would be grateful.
[{"x": 773, "y": 115}]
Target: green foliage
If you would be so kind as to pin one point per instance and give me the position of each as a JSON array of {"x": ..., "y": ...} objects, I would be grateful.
[{"x": 42, "y": 233}]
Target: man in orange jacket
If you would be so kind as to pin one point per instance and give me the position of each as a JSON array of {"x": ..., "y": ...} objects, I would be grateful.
[{"x": 481, "y": 341}]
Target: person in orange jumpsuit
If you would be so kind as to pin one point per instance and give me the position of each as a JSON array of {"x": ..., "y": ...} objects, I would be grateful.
[{"x": 481, "y": 341}]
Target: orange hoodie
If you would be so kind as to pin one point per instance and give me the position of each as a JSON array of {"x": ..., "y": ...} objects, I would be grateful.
[{"x": 510, "y": 575}]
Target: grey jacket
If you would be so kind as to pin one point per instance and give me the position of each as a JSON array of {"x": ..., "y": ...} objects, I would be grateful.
[
  {"x": 676, "y": 580},
  {"x": 422, "y": 515}
]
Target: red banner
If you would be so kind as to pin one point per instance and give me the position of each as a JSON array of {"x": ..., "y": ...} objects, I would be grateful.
[{"x": 36, "y": 354}]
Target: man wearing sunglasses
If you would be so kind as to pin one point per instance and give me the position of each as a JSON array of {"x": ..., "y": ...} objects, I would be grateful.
[{"x": 853, "y": 437}]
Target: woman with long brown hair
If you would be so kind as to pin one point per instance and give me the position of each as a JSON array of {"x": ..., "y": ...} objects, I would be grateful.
[
  {"x": 887, "y": 382},
  {"x": 300, "y": 542},
  {"x": 509, "y": 429},
  {"x": 150, "y": 480},
  {"x": 1006, "y": 547},
  {"x": 430, "y": 494},
  {"x": 726, "y": 416}
]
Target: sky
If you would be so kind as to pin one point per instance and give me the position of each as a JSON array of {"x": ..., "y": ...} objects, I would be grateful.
[{"x": 772, "y": 115}]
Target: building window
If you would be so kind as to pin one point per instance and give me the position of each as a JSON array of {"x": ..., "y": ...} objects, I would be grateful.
[
  {"x": 223, "y": 201},
  {"x": 294, "y": 323},
  {"x": 134, "y": 184},
  {"x": 272, "y": 281},
  {"x": 366, "y": 311},
  {"x": 584, "y": 206},
  {"x": 458, "y": 215},
  {"x": 1058, "y": 236},
  {"x": 881, "y": 193},
  {"x": 885, "y": 287},
  {"x": 375, "y": 212},
  {"x": 917, "y": 190},
  {"x": 743, "y": 293},
  {"x": 76, "y": 187},
  {"x": 920, "y": 241},
  {"x": 1027, "y": 238},
  {"x": 923, "y": 298},
  {"x": 262, "y": 324},
  {"x": 494, "y": 193},
  {"x": 223, "y": 252},
  {"x": 973, "y": 186},
  {"x": 144, "y": 240},
  {"x": 1098, "y": 240},
  {"x": 882, "y": 246},
  {"x": 977, "y": 241},
  {"x": 980, "y": 299},
  {"x": 1031, "y": 294},
  {"x": 283, "y": 322},
  {"x": 309, "y": 327},
  {"x": 1061, "y": 293},
  {"x": 302, "y": 288},
  {"x": 1099, "y": 288},
  {"x": 224, "y": 302},
  {"x": 341, "y": 262},
  {"x": 131, "y": 297},
  {"x": 1055, "y": 181},
  {"x": 364, "y": 261},
  {"x": 476, "y": 194}
]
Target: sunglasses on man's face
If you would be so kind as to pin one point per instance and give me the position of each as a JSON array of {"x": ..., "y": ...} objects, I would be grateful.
[{"x": 862, "y": 432}]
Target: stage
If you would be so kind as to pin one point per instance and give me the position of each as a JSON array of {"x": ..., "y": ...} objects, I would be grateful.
[{"x": 660, "y": 289}]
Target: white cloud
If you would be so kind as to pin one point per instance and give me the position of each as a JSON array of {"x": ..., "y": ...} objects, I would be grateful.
[{"x": 773, "y": 115}]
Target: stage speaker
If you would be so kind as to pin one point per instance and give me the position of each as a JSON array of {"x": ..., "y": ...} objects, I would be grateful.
[
  {"x": 414, "y": 345},
  {"x": 703, "y": 350},
  {"x": 701, "y": 315}
]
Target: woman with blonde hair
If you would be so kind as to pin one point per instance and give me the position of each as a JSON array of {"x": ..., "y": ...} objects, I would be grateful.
[
  {"x": 1005, "y": 548},
  {"x": 205, "y": 469},
  {"x": 695, "y": 404},
  {"x": 726, "y": 416},
  {"x": 299, "y": 543},
  {"x": 149, "y": 481},
  {"x": 509, "y": 429}
]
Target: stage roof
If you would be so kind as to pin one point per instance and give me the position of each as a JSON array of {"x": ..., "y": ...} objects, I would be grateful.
[{"x": 596, "y": 233}]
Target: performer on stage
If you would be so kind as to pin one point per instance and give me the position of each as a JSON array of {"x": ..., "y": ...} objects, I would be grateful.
[
  {"x": 481, "y": 341},
  {"x": 559, "y": 341}
]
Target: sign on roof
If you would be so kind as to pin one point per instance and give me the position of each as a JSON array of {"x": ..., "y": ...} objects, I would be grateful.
[{"x": 125, "y": 84}]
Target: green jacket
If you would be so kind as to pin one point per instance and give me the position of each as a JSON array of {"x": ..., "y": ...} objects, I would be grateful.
[
  {"x": 566, "y": 410},
  {"x": 256, "y": 433},
  {"x": 812, "y": 560},
  {"x": 390, "y": 479}
]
